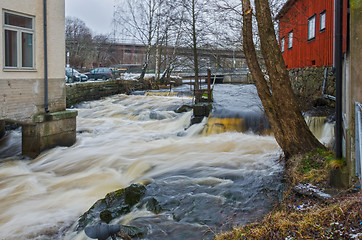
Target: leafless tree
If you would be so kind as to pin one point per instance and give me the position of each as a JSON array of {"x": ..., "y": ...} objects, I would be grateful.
[
  {"x": 102, "y": 51},
  {"x": 197, "y": 26},
  {"x": 139, "y": 19},
  {"x": 280, "y": 105},
  {"x": 78, "y": 42}
]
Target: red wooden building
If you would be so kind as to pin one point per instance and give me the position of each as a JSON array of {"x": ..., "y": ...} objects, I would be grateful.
[{"x": 306, "y": 30}]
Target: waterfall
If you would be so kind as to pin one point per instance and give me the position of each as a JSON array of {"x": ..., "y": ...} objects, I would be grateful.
[{"x": 322, "y": 130}]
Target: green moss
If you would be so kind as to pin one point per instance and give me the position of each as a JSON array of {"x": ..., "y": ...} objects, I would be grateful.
[{"x": 106, "y": 216}]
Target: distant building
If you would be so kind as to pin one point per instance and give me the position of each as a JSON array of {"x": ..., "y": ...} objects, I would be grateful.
[
  {"x": 306, "y": 33},
  {"x": 32, "y": 73}
]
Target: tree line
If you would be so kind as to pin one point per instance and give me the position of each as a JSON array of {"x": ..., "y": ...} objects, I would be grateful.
[{"x": 83, "y": 48}]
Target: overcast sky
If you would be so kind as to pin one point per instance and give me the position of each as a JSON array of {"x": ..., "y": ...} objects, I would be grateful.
[{"x": 97, "y": 14}]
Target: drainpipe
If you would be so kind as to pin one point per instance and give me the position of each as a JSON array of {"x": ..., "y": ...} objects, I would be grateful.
[
  {"x": 46, "y": 104},
  {"x": 338, "y": 66}
]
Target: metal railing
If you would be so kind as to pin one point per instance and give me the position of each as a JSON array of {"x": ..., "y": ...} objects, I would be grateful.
[{"x": 359, "y": 140}]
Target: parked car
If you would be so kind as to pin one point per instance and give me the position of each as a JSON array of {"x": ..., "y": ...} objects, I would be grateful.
[
  {"x": 73, "y": 75},
  {"x": 100, "y": 73}
]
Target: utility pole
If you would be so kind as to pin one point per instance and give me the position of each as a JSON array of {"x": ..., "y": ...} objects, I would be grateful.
[{"x": 338, "y": 67}]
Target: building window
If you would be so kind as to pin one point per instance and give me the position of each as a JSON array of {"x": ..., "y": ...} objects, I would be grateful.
[
  {"x": 282, "y": 44},
  {"x": 290, "y": 40},
  {"x": 311, "y": 28},
  {"x": 323, "y": 21},
  {"x": 18, "y": 41}
]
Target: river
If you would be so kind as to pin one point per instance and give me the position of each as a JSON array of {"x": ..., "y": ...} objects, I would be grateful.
[{"x": 210, "y": 181}]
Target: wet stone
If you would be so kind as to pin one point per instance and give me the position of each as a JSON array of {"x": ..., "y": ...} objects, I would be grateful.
[
  {"x": 106, "y": 216},
  {"x": 114, "y": 205},
  {"x": 153, "y": 205},
  {"x": 311, "y": 190},
  {"x": 183, "y": 108}
]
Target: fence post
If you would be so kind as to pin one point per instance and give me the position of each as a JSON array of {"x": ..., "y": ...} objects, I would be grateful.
[
  {"x": 208, "y": 85},
  {"x": 358, "y": 127}
]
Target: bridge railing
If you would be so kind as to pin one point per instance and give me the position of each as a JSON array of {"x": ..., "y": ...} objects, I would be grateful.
[{"x": 359, "y": 140}]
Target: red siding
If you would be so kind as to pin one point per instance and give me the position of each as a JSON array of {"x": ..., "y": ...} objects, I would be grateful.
[{"x": 307, "y": 53}]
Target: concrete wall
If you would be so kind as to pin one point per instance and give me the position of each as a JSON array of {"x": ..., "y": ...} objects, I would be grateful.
[
  {"x": 53, "y": 129},
  {"x": 356, "y": 53},
  {"x": 352, "y": 84},
  {"x": 235, "y": 78},
  {"x": 22, "y": 91}
]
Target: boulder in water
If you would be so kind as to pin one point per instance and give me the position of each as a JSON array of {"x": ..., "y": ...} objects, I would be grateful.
[
  {"x": 102, "y": 231},
  {"x": 114, "y": 205}
]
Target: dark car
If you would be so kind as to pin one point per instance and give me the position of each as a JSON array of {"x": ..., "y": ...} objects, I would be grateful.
[
  {"x": 73, "y": 75},
  {"x": 100, "y": 73}
]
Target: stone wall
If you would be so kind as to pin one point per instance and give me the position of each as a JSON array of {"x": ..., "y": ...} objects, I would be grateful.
[
  {"x": 307, "y": 84},
  {"x": 88, "y": 91}
]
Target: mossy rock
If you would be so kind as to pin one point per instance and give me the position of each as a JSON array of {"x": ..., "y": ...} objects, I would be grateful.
[
  {"x": 132, "y": 231},
  {"x": 114, "y": 205},
  {"x": 183, "y": 108}
]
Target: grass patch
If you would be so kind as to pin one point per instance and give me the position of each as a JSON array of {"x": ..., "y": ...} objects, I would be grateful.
[
  {"x": 337, "y": 220},
  {"x": 313, "y": 168}
]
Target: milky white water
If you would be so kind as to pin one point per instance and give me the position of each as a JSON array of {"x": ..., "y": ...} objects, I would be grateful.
[{"x": 216, "y": 181}]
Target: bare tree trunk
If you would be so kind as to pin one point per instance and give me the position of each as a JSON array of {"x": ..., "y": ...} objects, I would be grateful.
[
  {"x": 194, "y": 42},
  {"x": 145, "y": 64},
  {"x": 170, "y": 60},
  {"x": 158, "y": 50},
  {"x": 287, "y": 122},
  {"x": 149, "y": 40}
]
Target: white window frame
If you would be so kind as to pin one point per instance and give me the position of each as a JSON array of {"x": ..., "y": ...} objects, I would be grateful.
[
  {"x": 19, "y": 31},
  {"x": 282, "y": 44},
  {"x": 311, "y": 27},
  {"x": 322, "y": 25},
  {"x": 290, "y": 40}
]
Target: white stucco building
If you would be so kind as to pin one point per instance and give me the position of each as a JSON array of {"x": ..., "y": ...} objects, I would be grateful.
[{"x": 32, "y": 78}]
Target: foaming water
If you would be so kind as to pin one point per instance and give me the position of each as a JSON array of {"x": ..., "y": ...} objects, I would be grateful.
[
  {"x": 217, "y": 180},
  {"x": 10, "y": 144},
  {"x": 322, "y": 130}
]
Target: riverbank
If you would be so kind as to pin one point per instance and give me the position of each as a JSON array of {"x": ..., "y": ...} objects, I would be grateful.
[{"x": 311, "y": 208}]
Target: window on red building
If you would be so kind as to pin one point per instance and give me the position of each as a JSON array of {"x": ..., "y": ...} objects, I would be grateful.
[
  {"x": 290, "y": 40},
  {"x": 311, "y": 27},
  {"x": 323, "y": 21},
  {"x": 282, "y": 44}
]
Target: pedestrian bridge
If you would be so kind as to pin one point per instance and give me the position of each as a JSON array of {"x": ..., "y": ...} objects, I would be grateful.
[{"x": 239, "y": 76}]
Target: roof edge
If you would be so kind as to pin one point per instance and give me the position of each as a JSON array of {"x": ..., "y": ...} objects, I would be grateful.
[{"x": 287, "y": 6}]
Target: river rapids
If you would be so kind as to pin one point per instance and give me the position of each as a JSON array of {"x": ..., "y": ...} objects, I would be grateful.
[{"x": 210, "y": 181}]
